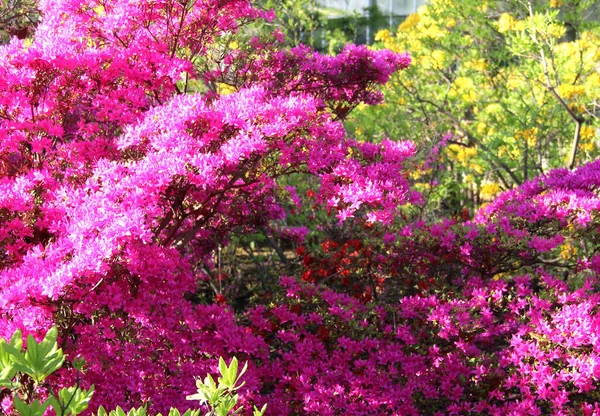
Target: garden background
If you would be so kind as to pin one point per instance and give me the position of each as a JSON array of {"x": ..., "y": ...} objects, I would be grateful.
[{"x": 408, "y": 227}]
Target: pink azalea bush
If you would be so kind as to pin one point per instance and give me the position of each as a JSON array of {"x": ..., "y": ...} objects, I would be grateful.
[
  {"x": 118, "y": 183},
  {"x": 494, "y": 315},
  {"x": 123, "y": 169}
]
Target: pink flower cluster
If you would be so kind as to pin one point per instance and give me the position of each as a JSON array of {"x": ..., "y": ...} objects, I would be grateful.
[{"x": 118, "y": 183}]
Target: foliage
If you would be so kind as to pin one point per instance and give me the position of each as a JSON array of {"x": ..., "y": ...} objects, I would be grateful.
[
  {"x": 516, "y": 83},
  {"x": 23, "y": 376},
  {"x": 221, "y": 398},
  {"x": 17, "y": 18},
  {"x": 308, "y": 22},
  {"x": 299, "y": 20},
  {"x": 24, "y": 373}
]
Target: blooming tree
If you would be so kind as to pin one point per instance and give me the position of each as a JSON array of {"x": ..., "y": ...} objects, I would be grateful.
[{"x": 516, "y": 82}]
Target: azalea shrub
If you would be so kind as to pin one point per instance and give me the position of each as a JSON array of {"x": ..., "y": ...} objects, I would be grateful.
[
  {"x": 491, "y": 315},
  {"x": 124, "y": 166},
  {"x": 138, "y": 142}
]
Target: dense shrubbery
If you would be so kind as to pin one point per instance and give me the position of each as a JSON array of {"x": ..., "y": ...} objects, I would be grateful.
[{"x": 136, "y": 142}]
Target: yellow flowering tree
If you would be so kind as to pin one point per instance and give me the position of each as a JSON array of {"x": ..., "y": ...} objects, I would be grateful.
[{"x": 517, "y": 84}]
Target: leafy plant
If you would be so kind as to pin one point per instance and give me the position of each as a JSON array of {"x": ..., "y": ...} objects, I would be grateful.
[
  {"x": 142, "y": 411},
  {"x": 222, "y": 398},
  {"x": 24, "y": 370}
]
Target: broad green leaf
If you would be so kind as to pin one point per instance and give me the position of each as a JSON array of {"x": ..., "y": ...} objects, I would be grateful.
[
  {"x": 260, "y": 412},
  {"x": 140, "y": 411},
  {"x": 18, "y": 358},
  {"x": 71, "y": 400},
  {"x": 223, "y": 367},
  {"x": 227, "y": 403},
  {"x": 117, "y": 412},
  {"x": 191, "y": 412},
  {"x": 17, "y": 339},
  {"x": 41, "y": 359},
  {"x": 34, "y": 408},
  {"x": 232, "y": 372},
  {"x": 7, "y": 358},
  {"x": 210, "y": 382},
  {"x": 7, "y": 373}
]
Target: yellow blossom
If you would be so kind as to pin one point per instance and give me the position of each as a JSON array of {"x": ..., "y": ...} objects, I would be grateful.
[
  {"x": 383, "y": 35},
  {"x": 460, "y": 153},
  {"x": 587, "y": 147},
  {"x": 438, "y": 57},
  {"x": 464, "y": 89},
  {"x": 567, "y": 251},
  {"x": 505, "y": 23},
  {"x": 587, "y": 133},
  {"x": 489, "y": 190},
  {"x": 477, "y": 65},
  {"x": 529, "y": 135},
  {"x": 450, "y": 22},
  {"x": 515, "y": 81},
  {"x": 225, "y": 89},
  {"x": 411, "y": 21},
  {"x": 571, "y": 91},
  {"x": 476, "y": 167},
  {"x": 519, "y": 25},
  {"x": 481, "y": 128}
]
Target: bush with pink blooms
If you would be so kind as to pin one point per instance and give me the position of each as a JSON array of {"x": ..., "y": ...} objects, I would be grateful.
[{"x": 136, "y": 142}]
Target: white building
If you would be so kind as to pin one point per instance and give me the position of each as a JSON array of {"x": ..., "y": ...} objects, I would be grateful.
[
  {"x": 390, "y": 14},
  {"x": 396, "y": 7}
]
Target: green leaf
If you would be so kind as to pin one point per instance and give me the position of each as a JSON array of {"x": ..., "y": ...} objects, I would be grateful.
[
  {"x": 35, "y": 408},
  {"x": 209, "y": 382},
  {"x": 260, "y": 412},
  {"x": 223, "y": 368},
  {"x": 79, "y": 363},
  {"x": 17, "y": 340},
  {"x": 227, "y": 403},
  {"x": 40, "y": 360},
  {"x": 118, "y": 412},
  {"x": 71, "y": 400},
  {"x": 9, "y": 353},
  {"x": 140, "y": 411},
  {"x": 20, "y": 363},
  {"x": 7, "y": 373},
  {"x": 191, "y": 412},
  {"x": 230, "y": 374}
]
